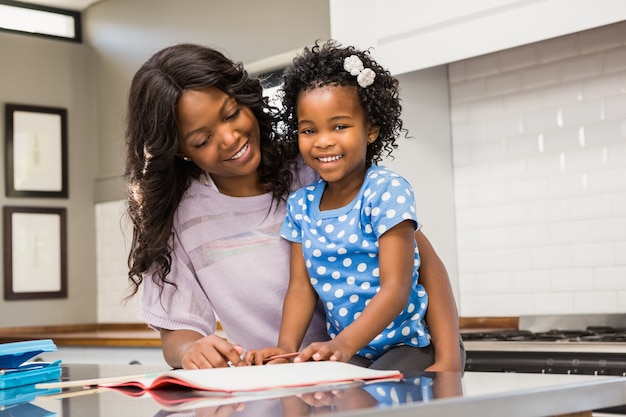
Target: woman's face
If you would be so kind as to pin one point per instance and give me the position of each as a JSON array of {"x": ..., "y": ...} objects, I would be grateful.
[{"x": 221, "y": 136}]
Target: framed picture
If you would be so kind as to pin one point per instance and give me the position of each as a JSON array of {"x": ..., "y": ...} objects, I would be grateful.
[
  {"x": 35, "y": 252},
  {"x": 36, "y": 151}
]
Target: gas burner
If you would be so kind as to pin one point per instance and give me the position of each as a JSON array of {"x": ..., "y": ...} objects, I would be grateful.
[
  {"x": 565, "y": 335},
  {"x": 502, "y": 335},
  {"x": 599, "y": 334}
]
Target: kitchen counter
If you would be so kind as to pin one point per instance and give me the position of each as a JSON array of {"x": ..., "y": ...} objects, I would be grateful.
[
  {"x": 89, "y": 335},
  {"x": 140, "y": 335},
  {"x": 94, "y": 335},
  {"x": 425, "y": 395}
]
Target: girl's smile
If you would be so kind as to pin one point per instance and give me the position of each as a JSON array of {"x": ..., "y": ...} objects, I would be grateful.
[{"x": 329, "y": 158}]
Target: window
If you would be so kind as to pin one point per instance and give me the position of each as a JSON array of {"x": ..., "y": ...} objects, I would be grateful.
[
  {"x": 271, "y": 83},
  {"x": 49, "y": 22}
]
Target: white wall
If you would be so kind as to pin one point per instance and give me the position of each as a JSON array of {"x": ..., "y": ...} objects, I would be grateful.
[
  {"x": 38, "y": 71},
  {"x": 539, "y": 143},
  {"x": 425, "y": 159}
]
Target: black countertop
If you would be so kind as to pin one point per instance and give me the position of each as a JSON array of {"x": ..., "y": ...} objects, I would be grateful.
[{"x": 423, "y": 395}]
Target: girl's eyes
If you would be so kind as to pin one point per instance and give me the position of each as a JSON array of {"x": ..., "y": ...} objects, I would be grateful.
[{"x": 310, "y": 131}]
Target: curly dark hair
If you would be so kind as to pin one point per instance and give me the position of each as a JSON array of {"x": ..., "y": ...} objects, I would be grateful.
[
  {"x": 322, "y": 64},
  {"x": 156, "y": 178}
]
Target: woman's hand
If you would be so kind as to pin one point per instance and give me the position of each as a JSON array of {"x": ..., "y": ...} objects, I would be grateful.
[
  {"x": 190, "y": 350},
  {"x": 212, "y": 352}
]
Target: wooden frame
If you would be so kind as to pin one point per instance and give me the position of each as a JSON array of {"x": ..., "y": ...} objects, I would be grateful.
[
  {"x": 35, "y": 252},
  {"x": 36, "y": 151}
]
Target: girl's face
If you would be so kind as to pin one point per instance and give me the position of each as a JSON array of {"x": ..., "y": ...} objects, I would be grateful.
[
  {"x": 221, "y": 136},
  {"x": 333, "y": 134}
]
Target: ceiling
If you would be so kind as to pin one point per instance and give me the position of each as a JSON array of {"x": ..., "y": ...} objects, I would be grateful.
[{"x": 63, "y": 4}]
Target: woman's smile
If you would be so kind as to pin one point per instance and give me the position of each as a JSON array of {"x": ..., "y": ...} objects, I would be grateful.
[{"x": 241, "y": 152}]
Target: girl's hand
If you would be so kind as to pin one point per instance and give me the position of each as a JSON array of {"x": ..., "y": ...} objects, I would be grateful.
[
  {"x": 260, "y": 356},
  {"x": 333, "y": 350},
  {"x": 212, "y": 352}
]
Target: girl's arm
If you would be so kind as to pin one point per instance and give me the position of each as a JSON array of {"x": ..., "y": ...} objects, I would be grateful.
[
  {"x": 396, "y": 276},
  {"x": 299, "y": 304},
  {"x": 441, "y": 316}
]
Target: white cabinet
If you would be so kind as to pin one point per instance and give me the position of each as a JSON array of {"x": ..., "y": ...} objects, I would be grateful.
[{"x": 409, "y": 35}]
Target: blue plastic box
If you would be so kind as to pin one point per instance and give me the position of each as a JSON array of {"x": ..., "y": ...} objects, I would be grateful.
[{"x": 14, "y": 372}]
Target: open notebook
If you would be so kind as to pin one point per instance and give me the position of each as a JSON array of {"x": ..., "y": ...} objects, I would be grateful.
[{"x": 243, "y": 379}]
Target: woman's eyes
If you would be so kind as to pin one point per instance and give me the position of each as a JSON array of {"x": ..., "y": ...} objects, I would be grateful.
[
  {"x": 233, "y": 114},
  {"x": 202, "y": 143}
]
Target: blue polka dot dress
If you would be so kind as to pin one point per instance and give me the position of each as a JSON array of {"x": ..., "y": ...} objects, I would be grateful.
[{"x": 340, "y": 249}]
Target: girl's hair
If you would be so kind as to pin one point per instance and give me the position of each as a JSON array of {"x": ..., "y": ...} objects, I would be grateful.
[
  {"x": 156, "y": 177},
  {"x": 322, "y": 65}
]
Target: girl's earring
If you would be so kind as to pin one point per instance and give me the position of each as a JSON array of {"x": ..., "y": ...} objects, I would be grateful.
[{"x": 186, "y": 158}]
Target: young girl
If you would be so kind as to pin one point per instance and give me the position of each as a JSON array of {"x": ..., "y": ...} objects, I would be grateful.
[
  {"x": 352, "y": 231},
  {"x": 207, "y": 181}
]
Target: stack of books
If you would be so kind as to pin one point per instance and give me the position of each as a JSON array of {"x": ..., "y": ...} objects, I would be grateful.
[{"x": 18, "y": 374}]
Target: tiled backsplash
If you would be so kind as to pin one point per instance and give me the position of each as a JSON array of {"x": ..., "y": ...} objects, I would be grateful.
[
  {"x": 113, "y": 237},
  {"x": 539, "y": 142}
]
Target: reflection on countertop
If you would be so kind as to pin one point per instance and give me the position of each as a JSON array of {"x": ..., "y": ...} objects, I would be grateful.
[{"x": 427, "y": 394}]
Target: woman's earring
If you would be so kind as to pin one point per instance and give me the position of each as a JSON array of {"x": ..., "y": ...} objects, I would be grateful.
[{"x": 186, "y": 158}]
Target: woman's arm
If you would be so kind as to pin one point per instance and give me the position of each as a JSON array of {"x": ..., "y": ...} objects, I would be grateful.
[{"x": 442, "y": 317}]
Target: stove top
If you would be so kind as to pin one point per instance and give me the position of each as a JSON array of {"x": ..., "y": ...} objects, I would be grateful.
[
  {"x": 592, "y": 334},
  {"x": 536, "y": 338},
  {"x": 570, "y": 344}
]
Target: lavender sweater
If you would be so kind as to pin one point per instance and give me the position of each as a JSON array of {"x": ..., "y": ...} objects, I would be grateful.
[{"x": 228, "y": 261}]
